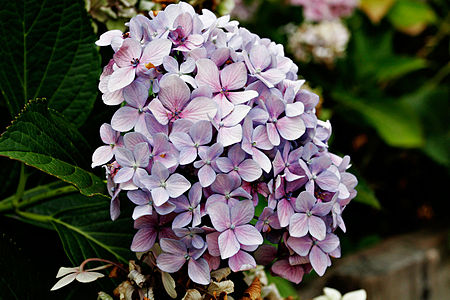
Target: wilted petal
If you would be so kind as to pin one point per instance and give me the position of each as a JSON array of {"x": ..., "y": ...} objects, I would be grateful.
[{"x": 88, "y": 276}]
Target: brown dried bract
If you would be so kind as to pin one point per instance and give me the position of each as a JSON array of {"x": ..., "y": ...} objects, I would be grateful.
[{"x": 253, "y": 292}]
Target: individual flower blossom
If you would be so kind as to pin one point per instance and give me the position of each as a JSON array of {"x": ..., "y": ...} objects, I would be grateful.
[
  {"x": 229, "y": 129},
  {"x": 318, "y": 10},
  {"x": 225, "y": 84},
  {"x": 317, "y": 173},
  {"x": 70, "y": 274},
  {"x": 317, "y": 251},
  {"x": 191, "y": 236},
  {"x": 143, "y": 200},
  {"x": 189, "y": 144},
  {"x": 132, "y": 163},
  {"x": 226, "y": 189},
  {"x": 288, "y": 163},
  {"x": 162, "y": 186},
  {"x": 207, "y": 174},
  {"x": 104, "y": 154},
  {"x": 174, "y": 256},
  {"x": 332, "y": 294},
  {"x": 170, "y": 64},
  {"x": 174, "y": 103},
  {"x": 308, "y": 217},
  {"x": 267, "y": 220},
  {"x": 184, "y": 37},
  {"x": 236, "y": 164},
  {"x": 233, "y": 227},
  {"x": 132, "y": 60},
  {"x": 258, "y": 63},
  {"x": 188, "y": 209},
  {"x": 149, "y": 228},
  {"x": 255, "y": 140}
]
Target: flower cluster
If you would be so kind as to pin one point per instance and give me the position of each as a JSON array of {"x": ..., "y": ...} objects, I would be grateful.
[
  {"x": 213, "y": 126},
  {"x": 318, "y": 10},
  {"x": 323, "y": 42}
]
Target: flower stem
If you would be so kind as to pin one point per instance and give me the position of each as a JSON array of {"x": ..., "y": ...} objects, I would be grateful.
[
  {"x": 102, "y": 260},
  {"x": 20, "y": 187}
]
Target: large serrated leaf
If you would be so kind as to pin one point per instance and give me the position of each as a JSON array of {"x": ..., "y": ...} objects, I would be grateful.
[
  {"x": 47, "y": 50},
  {"x": 40, "y": 138}
]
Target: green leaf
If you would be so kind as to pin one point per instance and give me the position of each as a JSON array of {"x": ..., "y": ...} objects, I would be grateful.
[
  {"x": 396, "y": 67},
  {"x": 41, "y": 138},
  {"x": 285, "y": 287},
  {"x": 366, "y": 195},
  {"x": 47, "y": 50},
  {"x": 411, "y": 16},
  {"x": 394, "y": 121},
  {"x": 85, "y": 227}
]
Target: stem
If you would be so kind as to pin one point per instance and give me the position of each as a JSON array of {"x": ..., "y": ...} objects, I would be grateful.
[
  {"x": 20, "y": 187},
  {"x": 102, "y": 260},
  {"x": 34, "y": 217}
]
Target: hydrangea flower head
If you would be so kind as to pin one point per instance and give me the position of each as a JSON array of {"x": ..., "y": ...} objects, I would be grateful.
[{"x": 216, "y": 126}]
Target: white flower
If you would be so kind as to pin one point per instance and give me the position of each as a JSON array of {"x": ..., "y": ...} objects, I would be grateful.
[
  {"x": 70, "y": 274},
  {"x": 332, "y": 294}
]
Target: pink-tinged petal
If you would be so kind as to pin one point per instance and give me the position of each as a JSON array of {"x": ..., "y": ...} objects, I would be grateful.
[
  {"x": 219, "y": 213},
  {"x": 298, "y": 225},
  {"x": 292, "y": 273},
  {"x": 236, "y": 155},
  {"x": 328, "y": 181},
  {"x": 262, "y": 160},
  {"x": 319, "y": 260},
  {"x": 64, "y": 281},
  {"x": 174, "y": 93},
  {"x": 240, "y": 192},
  {"x": 230, "y": 135},
  {"x": 284, "y": 212},
  {"x": 294, "y": 109},
  {"x": 194, "y": 40},
  {"x": 170, "y": 263},
  {"x": 182, "y": 220},
  {"x": 201, "y": 132},
  {"x": 234, "y": 76},
  {"x": 228, "y": 244},
  {"x": 329, "y": 244},
  {"x": 272, "y": 134},
  {"x": 249, "y": 170},
  {"x": 131, "y": 139},
  {"x": 225, "y": 183},
  {"x": 106, "y": 38},
  {"x": 187, "y": 155},
  {"x": 141, "y": 154},
  {"x": 317, "y": 227},
  {"x": 273, "y": 76},
  {"x": 88, "y": 276},
  {"x": 200, "y": 108},
  {"x": 206, "y": 175},
  {"x": 223, "y": 163},
  {"x": 242, "y": 97},
  {"x": 154, "y": 127},
  {"x": 182, "y": 204},
  {"x": 160, "y": 171},
  {"x": 301, "y": 246},
  {"x": 212, "y": 241},
  {"x": 143, "y": 240},
  {"x": 142, "y": 210},
  {"x": 131, "y": 49},
  {"x": 298, "y": 260},
  {"x": 123, "y": 175},
  {"x": 155, "y": 51},
  {"x": 248, "y": 235},
  {"x": 112, "y": 98},
  {"x": 236, "y": 116},
  {"x": 241, "y": 261},
  {"x": 291, "y": 128},
  {"x": 278, "y": 164},
  {"x": 101, "y": 156},
  {"x": 108, "y": 135},
  {"x": 198, "y": 271},
  {"x": 173, "y": 246},
  {"x": 305, "y": 201},
  {"x": 124, "y": 119},
  {"x": 181, "y": 125},
  {"x": 121, "y": 78},
  {"x": 220, "y": 56},
  {"x": 258, "y": 115},
  {"x": 322, "y": 209},
  {"x": 242, "y": 213},
  {"x": 208, "y": 75},
  {"x": 159, "y": 112},
  {"x": 181, "y": 140},
  {"x": 136, "y": 94},
  {"x": 260, "y": 57},
  {"x": 224, "y": 106},
  {"x": 188, "y": 66},
  {"x": 170, "y": 64},
  {"x": 261, "y": 138},
  {"x": 165, "y": 209},
  {"x": 160, "y": 195},
  {"x": 176, "y": 185}
]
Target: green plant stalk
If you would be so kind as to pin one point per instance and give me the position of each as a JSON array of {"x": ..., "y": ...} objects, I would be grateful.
[
  {"x": 10, "y": 203},
  {"x": 21, "y": 186}
]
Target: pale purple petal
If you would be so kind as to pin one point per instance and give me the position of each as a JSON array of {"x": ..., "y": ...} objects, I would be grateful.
[
  {"x": 242, "y": 97},
  {"x": 234, "y": 76},
  {"x": 242, "y": 213},
  {"x": 198, "y": 271},
  {"x": 272, "y": 134},
  {"x": 174, "y": 93},
  {"x": 248, "y": 235},
  {"x": 230, "y": 135},
  {"x": 241, "y": 261},
  {"x": 301, "y": 246},
  {"x": 262, "y": 160},
  {"x": 141, "y": 154},
  {"x": 328, "y": 181},
  {"x": 121, "y": 78},
  {"x": 173, "y": 246},
  {"x": 284, "y": 212},
  {"x": 159, "y": 112},
  {"x": 208, "y": 74},
  {"x": 317, "y": 227},
  {"x": 101, "y": 156},
  {"x": 143, "y": 240},
  {"x": 124, "y": 118},
  {"x": 200, "y": 108},
  {"x": 260, "y": 57},
  {"x": 170, "y": 64},
  {"x": 329, "y": 244},
  {"x": 228, "y": 244},
  {"x": 292, "y": 273},
  {"x": 108, "y": 135},
  {"x": 160, "y": 195},
  {"x": 201, "y": 132},
  {"x": 142, "y": 210},
  {"x": 155, "y": 51},
  {"x": 219, "y": 214},
  {"x": 170, "y": 263},
  {"x": 223, "y": 163},
  {"x": 177, "y": 185},
  {"x": 298, "y": 225},
  {"x": 206, "y": 175},
  {"x": 319, "y": 260},
  {"x": 123, "y": 175},
  {"x": 291, "y": 128},
  {"x": 250, "y": 170},
  {"x": 182, "y": 220}
]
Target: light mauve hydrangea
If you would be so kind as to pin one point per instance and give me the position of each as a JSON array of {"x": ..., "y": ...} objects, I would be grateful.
[{"x": 218, "y": 146}]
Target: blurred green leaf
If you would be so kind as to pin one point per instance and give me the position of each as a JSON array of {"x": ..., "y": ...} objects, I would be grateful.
[
  {"x": 395, "y": 67},
  {"x": 48, "y": 50},
  {"x": 366, "y": 194},
  {"x": 376, "y": 9},
  {"x": 411, "y": 16},
  {"x": 285, "y": 287},
  {"x": 41, "y": 138},
  {"x": 394, "y": 121}
]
